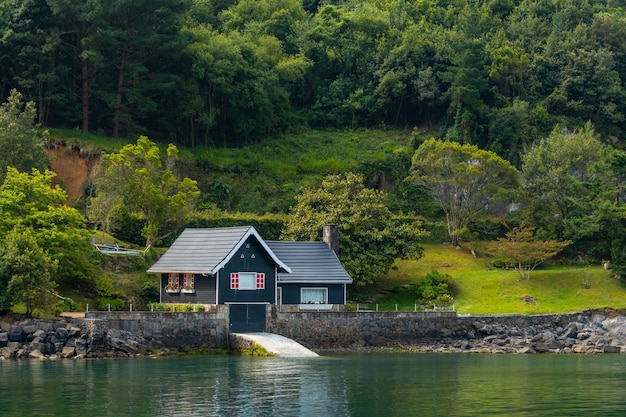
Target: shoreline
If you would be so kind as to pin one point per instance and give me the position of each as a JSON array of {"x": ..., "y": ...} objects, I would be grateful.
[{"x": 588, "y": 332}]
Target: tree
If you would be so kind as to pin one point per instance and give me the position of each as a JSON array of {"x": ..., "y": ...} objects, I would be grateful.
[
  {"x": 26, "y": 273},
  {"x": 462, "y": 179},
  {"x": 137, "y": 179},
  {"x": 32, "y": 55},
  {"x": 30, "y": 202},
  {"x": 84, "y": 23},
  {"x": 559, "y": 178},
  {"x": 21, "y": 146},
  {"x": 524, "y": 250},
  {"x": 370, "y": 237}
]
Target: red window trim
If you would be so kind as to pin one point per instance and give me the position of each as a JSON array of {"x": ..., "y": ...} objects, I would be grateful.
[
  {"x": 189, "y": 280},
  {"x": 234, "y": 281},
  {"x": 260, "y": 281}
]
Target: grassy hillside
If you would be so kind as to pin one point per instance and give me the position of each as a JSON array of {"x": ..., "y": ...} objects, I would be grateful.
[
  {"x": 482, "y": 289},
  {"x": 265, "y": 177}
]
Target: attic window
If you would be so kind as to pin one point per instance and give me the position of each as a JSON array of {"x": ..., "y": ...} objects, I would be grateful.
[{"x": 247, "y": 281}]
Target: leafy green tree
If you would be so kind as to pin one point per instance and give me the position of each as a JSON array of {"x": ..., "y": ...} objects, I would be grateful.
[
  {"x": 462, "y": 179},
  {"x": 26, "y": 273},
  {"x": 468, "y": 84},
  {"x": 370, "y": 237},
  {"x": 31, "y": 202},
  {"x": 21, "y": 146},
  {"x": 559, "y": 179},
  {"x": 137, "y": 178},
  {"x": 524, "y": 250}
]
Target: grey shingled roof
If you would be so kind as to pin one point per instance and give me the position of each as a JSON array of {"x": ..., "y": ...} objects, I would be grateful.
[
  {"x": 311, "y": 262},
  {"x": 206, "y": 251}
]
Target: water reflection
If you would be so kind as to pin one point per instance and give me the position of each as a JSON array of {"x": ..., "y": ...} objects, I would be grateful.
[{"x": 357, "y": 385}]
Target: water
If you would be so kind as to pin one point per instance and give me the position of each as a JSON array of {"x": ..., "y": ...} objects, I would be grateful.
[{"x": 347, "y": 385}]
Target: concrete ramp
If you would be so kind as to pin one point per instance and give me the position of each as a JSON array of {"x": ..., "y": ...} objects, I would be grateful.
[{"x": 274, "y": 344}]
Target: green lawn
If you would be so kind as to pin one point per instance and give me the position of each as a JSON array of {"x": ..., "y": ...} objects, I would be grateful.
[{"x": 483, "y": 289}]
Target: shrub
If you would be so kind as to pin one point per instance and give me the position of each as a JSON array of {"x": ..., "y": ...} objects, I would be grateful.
[
  {"x": 435, "y": 288},
  {"x": 116, "y": 304}
]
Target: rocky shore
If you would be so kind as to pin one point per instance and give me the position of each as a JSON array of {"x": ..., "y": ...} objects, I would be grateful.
[
  {"x": 585, "y": 333},
  {"x": 588, "y": 333},
  {"x": 75, "y": 339}
]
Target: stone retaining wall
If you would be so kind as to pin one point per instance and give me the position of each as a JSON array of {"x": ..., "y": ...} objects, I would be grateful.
[
  {"x": 124, "y": 334},
  {"x": 114, "y": 334},
  {"x": 587, "y": 332}
]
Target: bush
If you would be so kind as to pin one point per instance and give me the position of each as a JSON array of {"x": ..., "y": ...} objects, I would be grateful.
[
  {"x": 149, "y": 291},
  {"x": 116, "y": 304},
  {"x": 435, "y": 288}
]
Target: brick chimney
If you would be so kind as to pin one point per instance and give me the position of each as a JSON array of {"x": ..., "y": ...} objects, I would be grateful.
[{"x": 331, "y": 236}]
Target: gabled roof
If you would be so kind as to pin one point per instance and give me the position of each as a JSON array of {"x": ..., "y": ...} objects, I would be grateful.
[
  {"x": 206, "y": 251},
  {"x": 310, "y": 262}
]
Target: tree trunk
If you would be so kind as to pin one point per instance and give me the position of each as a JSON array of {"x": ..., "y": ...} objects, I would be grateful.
[{"x": 85, "y": 87}]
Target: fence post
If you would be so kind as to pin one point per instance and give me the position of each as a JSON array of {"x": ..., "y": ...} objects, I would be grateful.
[
  {"x": 109, "y": 307},
  {"x": 396, "y": 308},
  {"x": 376, "y": 307},
  {"x": 131, "y": 308},
  {"x": 86, "y": 308}
]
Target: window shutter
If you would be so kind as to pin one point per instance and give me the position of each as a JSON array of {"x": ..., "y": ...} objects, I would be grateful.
[
  {"x": 260, "y": 281},
  {"x": 234, "y": 281}
]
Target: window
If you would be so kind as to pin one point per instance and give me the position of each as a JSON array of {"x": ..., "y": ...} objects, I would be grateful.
[
  {"x": 172, "y": 280},
  {"x": 189, "y": 281},
  {"x": 247, "y": 281},
  {"x": 314, "y": 295}
]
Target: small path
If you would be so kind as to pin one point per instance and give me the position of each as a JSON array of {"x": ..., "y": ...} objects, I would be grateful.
[
  {"x": 278, "y": 345},
  {"x": 73, "y": 314}
]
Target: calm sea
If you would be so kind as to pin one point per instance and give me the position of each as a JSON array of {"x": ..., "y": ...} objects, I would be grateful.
[{"x": 343, "y": 385}]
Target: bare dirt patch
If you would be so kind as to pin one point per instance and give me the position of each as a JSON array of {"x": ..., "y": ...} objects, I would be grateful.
[{"x": 73, "y": 169}]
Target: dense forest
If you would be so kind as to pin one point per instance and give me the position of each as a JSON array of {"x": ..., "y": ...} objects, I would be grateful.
[
  {"x": 496, "y": 73},
  {"x": 449, "y": 120}
]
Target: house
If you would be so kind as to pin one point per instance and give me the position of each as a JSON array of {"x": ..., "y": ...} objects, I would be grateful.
[{"x": 234, "y": 265}]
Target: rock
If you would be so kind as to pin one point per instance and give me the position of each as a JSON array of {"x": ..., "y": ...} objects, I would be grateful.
[
  {"x": 68, "y": 352},
  {"x": 611, "y": 349},
  {"x": 4, "y": 339},
  {"x": 7, "y": 352},
  {"x": 545, "y": 342},
  {"x": 74, "y": 331},
  {"x": 22, "y": 353},
  {"x": 61, "y": 334},
  {"x": 40, "y": 334},
  {"x": 35, "y": 354},
  {"x": 16, "y": 335},
  {"x": 29, "y": 329}
]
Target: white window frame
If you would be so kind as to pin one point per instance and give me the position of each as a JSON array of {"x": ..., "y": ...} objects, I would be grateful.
[
  {"x": 305, "y": 289},
  {"x": 248, "y": 281}
]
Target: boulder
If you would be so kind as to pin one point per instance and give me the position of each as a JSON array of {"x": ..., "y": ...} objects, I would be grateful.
[
  {"x": 61, "y": 334},
  {"x": 611, "y": 349},
  {"x": 36, "y": 354},
  {"x": 545, "y": 342},
  {"x": 29, "y": 329},
  {"x": 68, "y": 352},
  {"x": 16, "y": 334}
]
